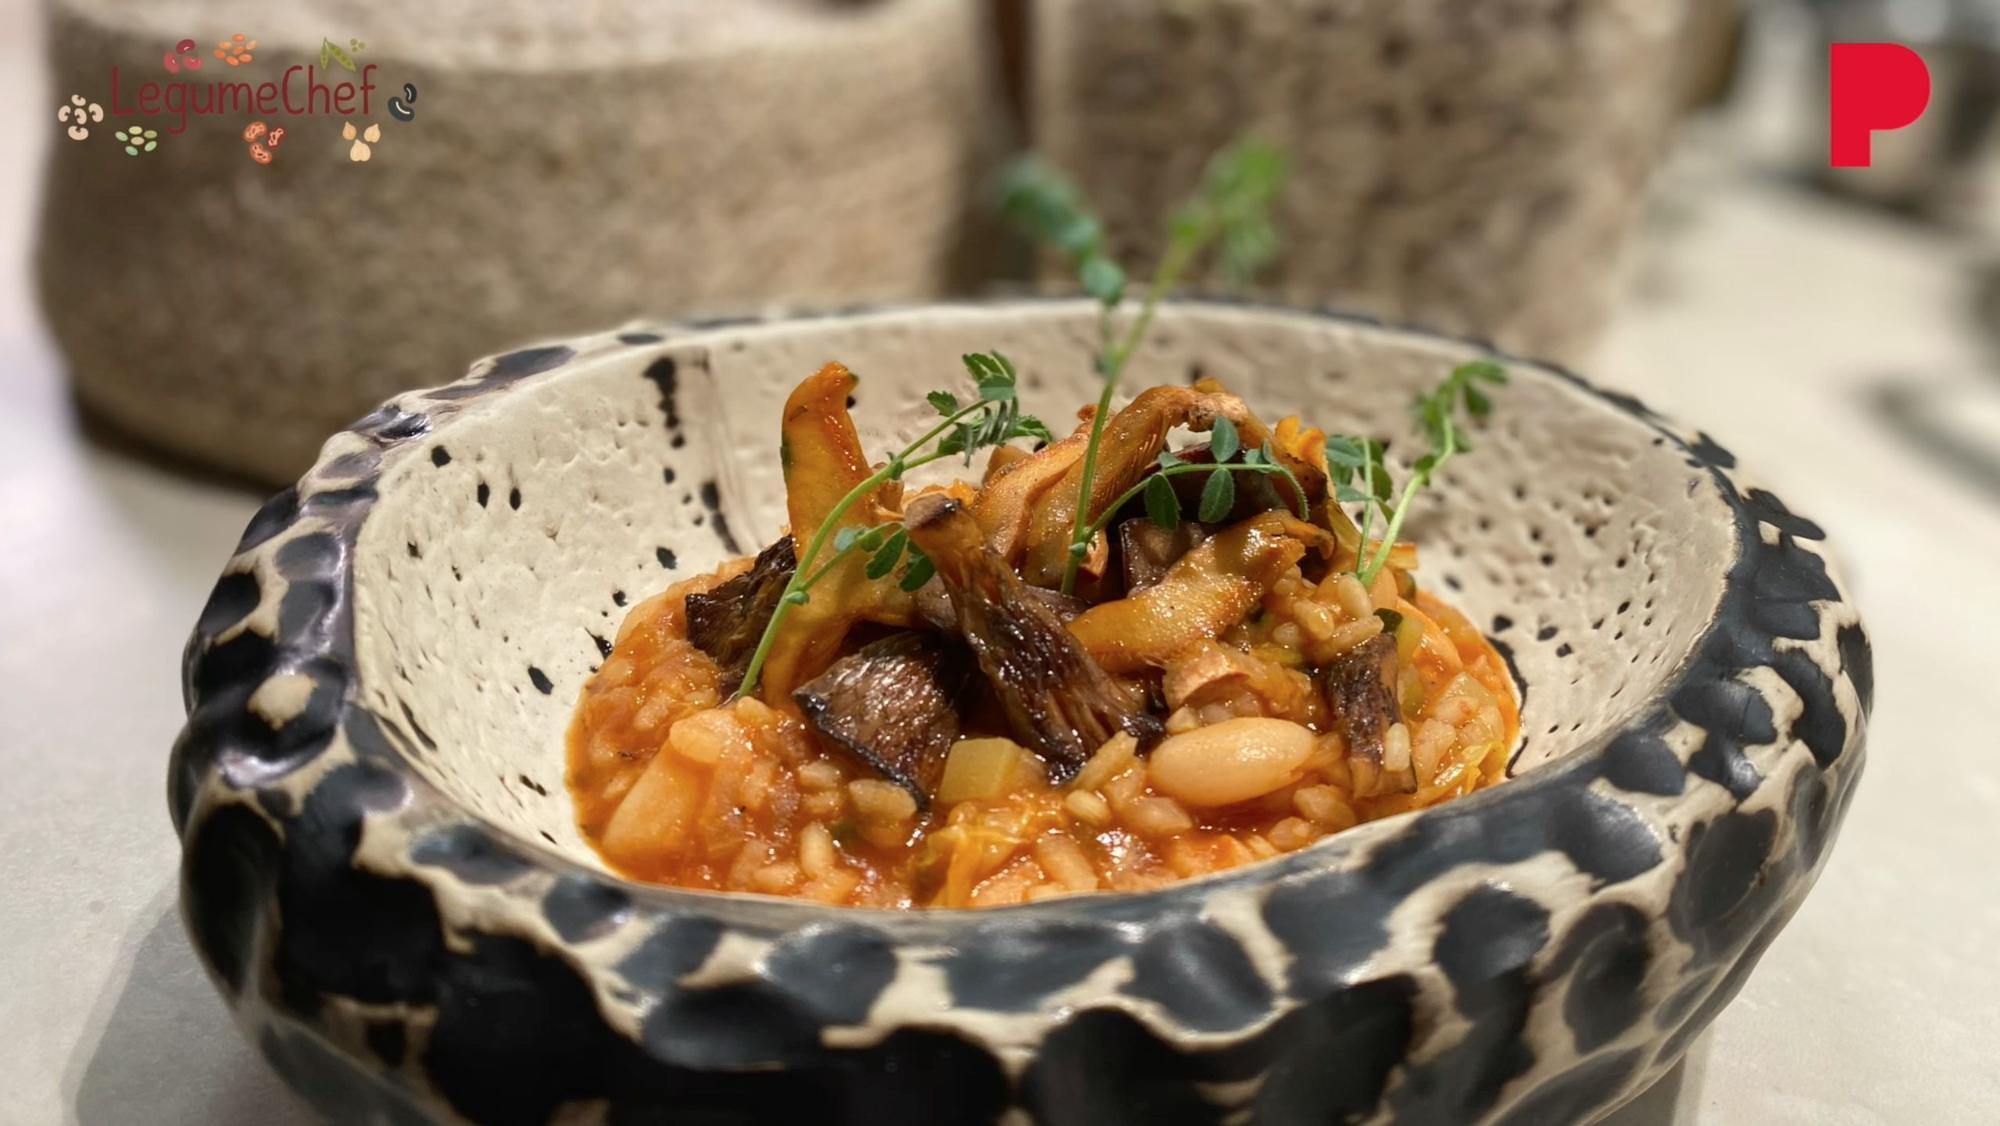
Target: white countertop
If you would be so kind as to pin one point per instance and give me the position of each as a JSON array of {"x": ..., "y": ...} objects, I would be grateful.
[{"x": 1758, "y": 313}]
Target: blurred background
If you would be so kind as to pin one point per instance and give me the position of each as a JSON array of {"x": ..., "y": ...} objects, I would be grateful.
[{"x": 1639, "y": 188}]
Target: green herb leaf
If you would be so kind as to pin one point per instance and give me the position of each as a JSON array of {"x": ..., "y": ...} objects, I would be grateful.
[
  {"x": 945, "y": 402},
  {"x": 1044, "y": 204},
  {"x": 1348, "y": 494},
  {"x": 1436, "y": 415},
  {"x": 844, "y": 538},
  {"x": 1028, "y": 426},
  {"x": 984, "y": 368},
  {"x": 1231, "y": 208},
  {"x": 1102, "y": 278},
  {"x": 1347, "y": 452},
  {"x": 1223, "y": 441},
  {"x": 885, "y": 559},
  {"x": 1162, "y": 506},
  {"x": 918, "y": 572},
  {"x": 1167, "y": 460},
  {"x": 1218, "y": 496},
  {"x": 1080, "y": 235},
  {"x": 1486, "y": 371}
]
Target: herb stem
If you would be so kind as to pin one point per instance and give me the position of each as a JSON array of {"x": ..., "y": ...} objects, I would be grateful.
[
  {"x": 1389, "y": 534},
  {"x": 1418, "y": 480},
  {"x": 1181, "y": 251},
  {"x": 795, "y": 589},
  {"x": 801, "y": 581}
]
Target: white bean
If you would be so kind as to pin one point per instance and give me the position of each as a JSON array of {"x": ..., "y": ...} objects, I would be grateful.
[{"x": 1229, "y": 762}]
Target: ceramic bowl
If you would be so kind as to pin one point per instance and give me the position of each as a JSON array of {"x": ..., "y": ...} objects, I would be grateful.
[{"x": 382, "y": 872}]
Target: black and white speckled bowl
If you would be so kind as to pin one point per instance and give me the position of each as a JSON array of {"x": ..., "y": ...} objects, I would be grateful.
[{"x": 382, "y": 873}]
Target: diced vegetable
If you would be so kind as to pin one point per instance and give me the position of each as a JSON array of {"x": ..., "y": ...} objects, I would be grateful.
[{"x": 986, "y": 768}]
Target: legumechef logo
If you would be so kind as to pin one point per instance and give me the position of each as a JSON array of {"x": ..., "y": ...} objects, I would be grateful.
[
  {"x": 1871, "y": 88},
  {"x": 300, "y": 90}
]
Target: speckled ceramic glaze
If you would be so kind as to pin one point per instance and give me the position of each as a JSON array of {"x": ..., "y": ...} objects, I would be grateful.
[{"x": 382, "y": 872}]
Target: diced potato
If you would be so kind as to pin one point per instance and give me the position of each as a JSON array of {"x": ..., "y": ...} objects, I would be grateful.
[
  {"x": 986, "y": 769},
  {"x": 654, "y": 820}
]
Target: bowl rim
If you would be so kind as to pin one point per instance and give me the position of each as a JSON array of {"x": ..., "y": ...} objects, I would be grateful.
[{"x": 228, "y": 757}]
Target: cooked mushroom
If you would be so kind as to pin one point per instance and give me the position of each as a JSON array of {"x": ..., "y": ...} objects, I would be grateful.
[
  {"x": 934, "y": 605},
  {"x": 1057, "y": 699},
  {"x": 1007, "y": 499},
  {"x": 893, "y": 705},
  {"x": 823, "y": 462},
  {"x": 727, "y": 622},
  {"x": 1214, "y": 673},
  {"x": 818, "y": 447},
  {"x": 1210, "y": 589},
  {"x": 1147, "y": 550},
  {"x": 1361, "y": 691},
  {"x": 1133, "y": 439}
]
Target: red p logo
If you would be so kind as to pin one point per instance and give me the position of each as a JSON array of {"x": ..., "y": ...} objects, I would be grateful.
[{"x": 1872, "y": 87}]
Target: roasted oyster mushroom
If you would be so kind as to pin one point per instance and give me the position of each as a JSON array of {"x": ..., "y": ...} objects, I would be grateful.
[
  {"x": 1206, "y": 591},
  {"x": 727, "y": 622},
  {"x": 935, "y": 609},
  {"x": 1056, "y": 698},
  {"x": 1133, "y": 439},
  {"x": 1146, "y": 550},
  {"x": 893, "y": 704},
  {"x": 823, "y": 462},
  {"x": 1361, "y": 691}
]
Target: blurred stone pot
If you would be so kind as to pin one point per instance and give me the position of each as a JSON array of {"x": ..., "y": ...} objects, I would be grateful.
[
  {"x": 568, "y": 167},
  {"x": 1467, "y": 164}
]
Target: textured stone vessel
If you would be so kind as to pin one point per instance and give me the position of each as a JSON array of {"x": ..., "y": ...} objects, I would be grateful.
[
  {"x": 1466, "y": 164},
  {"x": 383, "y": 873},
  {"x": 568, "y": 166}
]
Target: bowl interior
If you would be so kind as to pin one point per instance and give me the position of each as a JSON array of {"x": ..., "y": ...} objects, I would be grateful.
[{"x": 493, "y": 574}]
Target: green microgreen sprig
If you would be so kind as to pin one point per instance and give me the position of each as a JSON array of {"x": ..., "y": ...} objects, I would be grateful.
[
  {"x": 1230, "y": 210},
  {"x": 992, "y": 418},
  {"x": 1360, "y": 476},
  {"x": 1218, "y": 496}
]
